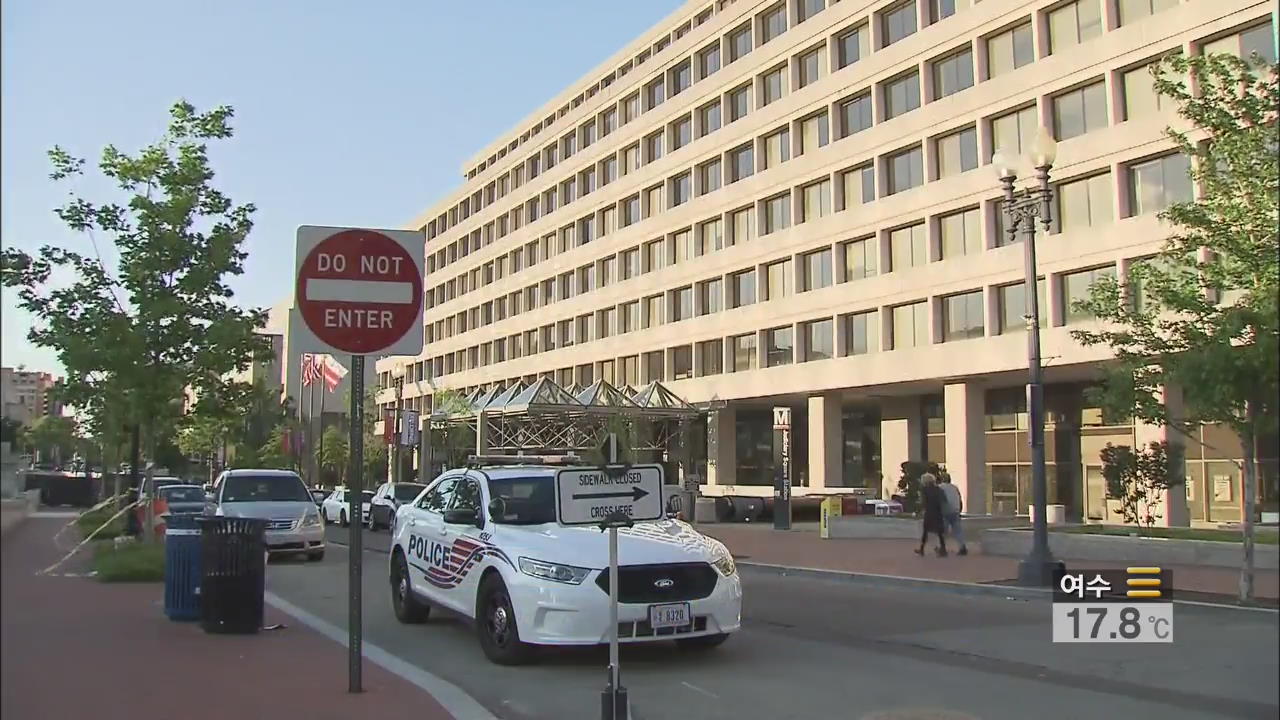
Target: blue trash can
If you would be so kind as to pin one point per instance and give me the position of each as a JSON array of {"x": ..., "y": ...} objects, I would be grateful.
[{"x": 182, "y": 568}]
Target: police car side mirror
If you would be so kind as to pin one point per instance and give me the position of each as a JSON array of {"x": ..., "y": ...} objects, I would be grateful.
[{"x": 464, "y": 516}]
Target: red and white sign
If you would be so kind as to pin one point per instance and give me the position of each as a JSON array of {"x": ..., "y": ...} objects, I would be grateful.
[{"x": 360, "y": 291}]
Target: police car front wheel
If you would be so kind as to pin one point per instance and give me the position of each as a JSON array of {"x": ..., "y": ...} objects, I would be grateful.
[
  {"x": 496, "y": 625},
  {"x": 408, "y": 608}
]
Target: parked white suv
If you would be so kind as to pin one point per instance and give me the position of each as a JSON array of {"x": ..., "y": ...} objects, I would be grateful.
[{"x": 484, "y": 542}]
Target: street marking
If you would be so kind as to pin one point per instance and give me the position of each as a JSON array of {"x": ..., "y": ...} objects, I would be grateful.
[
  {"x": 452, "y": 698},
  {"x": 697, "y": 689},
  {"x": 363, "y": 291}
]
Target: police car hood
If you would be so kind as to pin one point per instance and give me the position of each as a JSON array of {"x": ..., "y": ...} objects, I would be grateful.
[{"x": 668, "y": 541}]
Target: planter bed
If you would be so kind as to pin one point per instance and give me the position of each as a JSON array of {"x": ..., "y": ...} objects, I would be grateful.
[{"x": 1077, "y": 544}]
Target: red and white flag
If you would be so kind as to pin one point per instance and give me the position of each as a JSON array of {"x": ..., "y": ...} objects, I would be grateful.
[
  {"x": 310, "y": 368},
  {"x": 333, "y": 372}
]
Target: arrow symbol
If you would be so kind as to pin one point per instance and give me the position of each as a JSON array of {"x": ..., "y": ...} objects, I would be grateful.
[{"x": 634, "y": 493}]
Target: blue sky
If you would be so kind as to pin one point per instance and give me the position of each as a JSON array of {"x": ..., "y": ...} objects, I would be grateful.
[{"x": 346, "y": 113}]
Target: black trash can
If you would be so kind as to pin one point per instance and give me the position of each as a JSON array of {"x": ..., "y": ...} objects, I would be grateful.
[{"x": 233, "y": 562}]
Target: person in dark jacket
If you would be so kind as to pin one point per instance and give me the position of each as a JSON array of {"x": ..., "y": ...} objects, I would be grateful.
[{"x": 934, "y": 505}]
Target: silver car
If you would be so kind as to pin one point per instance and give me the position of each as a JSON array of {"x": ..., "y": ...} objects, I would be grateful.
[{"x": 279, "y": 497}]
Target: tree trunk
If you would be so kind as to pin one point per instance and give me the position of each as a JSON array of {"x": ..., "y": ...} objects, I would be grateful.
[{"x": 1250, "y": 492}]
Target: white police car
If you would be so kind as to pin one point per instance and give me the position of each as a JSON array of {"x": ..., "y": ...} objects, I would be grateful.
[{"x": 484, "y": 542}]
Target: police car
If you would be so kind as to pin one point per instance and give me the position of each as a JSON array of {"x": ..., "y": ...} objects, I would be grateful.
[{"x": 483, "y": 541}]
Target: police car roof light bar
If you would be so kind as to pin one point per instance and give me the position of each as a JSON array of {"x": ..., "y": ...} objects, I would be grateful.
[{"x": 491, "y": 460}]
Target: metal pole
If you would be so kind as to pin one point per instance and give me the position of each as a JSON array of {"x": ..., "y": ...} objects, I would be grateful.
[
  {"x": 355, "y": 542},
  {"x": 320, "y": 443},
  {"x": 395, "y": 437},
  {"x": 615, "y": 675},
  {"x": 1037, "y": 568}
]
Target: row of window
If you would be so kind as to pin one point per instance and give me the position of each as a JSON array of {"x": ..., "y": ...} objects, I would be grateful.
[{"x": 1077, "y": 111}]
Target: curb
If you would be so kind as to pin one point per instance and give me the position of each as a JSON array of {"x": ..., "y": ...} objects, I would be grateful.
[{"x": 901, "y": 582}]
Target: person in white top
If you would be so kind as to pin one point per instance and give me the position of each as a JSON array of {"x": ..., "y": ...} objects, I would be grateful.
[{"x": 951, "y": 513}]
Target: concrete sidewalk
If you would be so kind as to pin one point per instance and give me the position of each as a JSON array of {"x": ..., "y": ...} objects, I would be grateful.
[
  {"x": 78, "y": 648},
  {"x": 802, "y": 548}
]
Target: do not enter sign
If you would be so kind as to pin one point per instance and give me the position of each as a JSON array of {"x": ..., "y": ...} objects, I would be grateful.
[{"x": 360, "y": 291}]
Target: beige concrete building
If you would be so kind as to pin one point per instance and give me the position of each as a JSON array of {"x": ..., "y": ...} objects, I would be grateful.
[
  {"x": 26, "y": 395},
  {"x": 791, "y": 203}
]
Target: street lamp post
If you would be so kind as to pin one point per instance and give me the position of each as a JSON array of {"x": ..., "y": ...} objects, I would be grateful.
[
  {"x": 398, "y": 374},
  {"x": 1021, "y": 209}
]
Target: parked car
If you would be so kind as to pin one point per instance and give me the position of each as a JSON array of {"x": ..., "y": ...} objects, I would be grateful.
[
  {"x": 334, "y": 507},
  {"x": 183, "y": 499},
  {"x": 277, "y": 496},
  {"x": 319, "y": 494},
  {"x": 388, "y": 499}
]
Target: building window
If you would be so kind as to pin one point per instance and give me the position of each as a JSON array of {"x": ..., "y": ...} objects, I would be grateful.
[
  {"x": 1131, "y": 11},
  {"x": 711, "y": 357},
  {"x": 1010, "y": 50},
  {"x": 957, "y": 152},
  {"x": 1013, "y": 306},
  {"x": 1076, "y": 287},
  {"x": 629, "y": 370},
  {"x": 962, "y": 316},
  {"x": 656, "y": 254},
  {"x": 587, "y": 278},
  {"x": 739, "y": 42},
  {"x": 682, "y": 362},
  {"x": 806, "y": 9},
  {"x": 779, "y": 346},
  {"x": 654, "y": 315},
  {"x": 742, "y": 163},
  {"x": 906, "y": 170},
  {"x": 908, "y": 247},
  {"x": 744, "y": 226},
  {"x": 569, "y": 145},
  {"x": 861, "y": 332},
  {"x": 1157, "y": 184},
  {"x": 586, "y": 329},
  {"x": 816, "y": 200},
  {"x": 1243, "y": 45},
  {"x": 859, "y": 186},
  {"x": 1080, "y": 111},
  {"x": 855, "y": 115},
  {"x": 1140, "y": 96},
  {"x": 655, "y": 93},
  {"x": 1073, "y": 24},
  {"x": 653, "y": 366},
  {"x": 773, "y": 23},
  {"x": 710, "y": 236},
  {"x": 819, "y": 340},
  {"x": 898, "y": 22},
  {"x": 772, "y": 86},
  {"x": 961, "y": 233},
  {"x": 609, "y": 167},
  {"x": 852, "y": 46},
  {"x": 681, "y": 132},
  {"x": 681, "y": 78},
  {"x": 739, "y": 102},
  {"x": 631, "y": 159},
  {"x": 777, "y": 148},
  {"x": 631, "y": 263},
  {"x": 940, "y": 9},
  {"x": 818, "y": 271},
  {"x": 682, "y": 243},
  {"x": 777, "y": 213},
  {"x": 608, "y": 121},
  {"x": 653, "y": 146},
  {"x": 778, "y": 280},
  {"x": 743, "y": 285},
  {"x": 588, "y": 134},
  {"x": 681, "y": 303},
  {"x": 745, "y": 352},
  {"x": 812, "y": 66},
  {"x": 608, "y": 220},
  {"x": 953, "y": 74},
  {"x": 901, "y": 95},
  {"x": 709, "y": 59},
  {"x": 911, "y": 325},
  {"x": 709, "y": 117},
  {"x": 859, "y": 259},
  {"x": 681, "y": 189},
  {"x": 815, "y": 132},
  {"x": 1013, "y": 132},
  {"x": 1084, "y": 203},
  {"x": 709, "y": 176},
  {"x": 711, "y": 296},
  {"x": 653, "y": 198},
  {"x": 631, "y": 210},
  {"x": 631, "y": 316},
  {"x": 631, "y": 108}
]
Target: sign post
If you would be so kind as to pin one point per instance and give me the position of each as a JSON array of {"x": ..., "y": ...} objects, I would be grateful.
[
  {"x": 616, "y": 495},
  {"x": 359, "y": 292},
  {"x": 782, "y": 468}
]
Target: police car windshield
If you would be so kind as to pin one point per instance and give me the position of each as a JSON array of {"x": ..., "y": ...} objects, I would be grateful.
[
  {"x": 264, "y": 488},
  {"x": 526, "y": 500}
]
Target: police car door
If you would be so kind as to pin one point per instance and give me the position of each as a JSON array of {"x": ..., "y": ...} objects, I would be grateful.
[
  {"x": 463, "y": 539},
  {"x": 423, "y": 533}
]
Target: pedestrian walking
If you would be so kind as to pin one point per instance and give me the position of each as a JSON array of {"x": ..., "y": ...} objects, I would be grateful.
[
  {"x": 934, "y": 505},
  {"x": 954, "y": 506}
]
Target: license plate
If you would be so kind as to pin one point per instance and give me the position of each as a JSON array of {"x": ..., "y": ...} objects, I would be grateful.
[{"x": 669, "y": 615}]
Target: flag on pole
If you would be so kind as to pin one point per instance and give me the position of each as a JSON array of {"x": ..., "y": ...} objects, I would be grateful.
[
  {"x": 333, "y": 372},
  {"x": 310, "y": 368}
]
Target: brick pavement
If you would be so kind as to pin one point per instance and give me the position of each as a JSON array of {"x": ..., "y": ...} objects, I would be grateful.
[
  {"x": 77, "y": 648},
  {"x": 803, "y": 548}
]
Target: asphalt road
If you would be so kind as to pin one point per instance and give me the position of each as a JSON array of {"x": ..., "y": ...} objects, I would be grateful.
[{"x": 813, "y": 648}]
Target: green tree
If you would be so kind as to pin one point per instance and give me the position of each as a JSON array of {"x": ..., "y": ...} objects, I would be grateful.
[
  {"x": 134, "y": 335},
  {"x": 274, "y": 453},
  {"x": 335, "y": 456},
  {"x": 1202, "y": 317},
  {"x": 909, "y": 482},
  {"x": 54, "y": 437},
  {"x": 1138, "y": 480},
  {"x": 14, "y": 433}
]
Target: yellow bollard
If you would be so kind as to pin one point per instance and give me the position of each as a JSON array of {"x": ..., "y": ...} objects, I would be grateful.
[{"x": 831, "y": 509}]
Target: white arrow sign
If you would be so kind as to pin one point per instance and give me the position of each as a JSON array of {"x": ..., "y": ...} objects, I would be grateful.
[{"x": 586, "y": 496}]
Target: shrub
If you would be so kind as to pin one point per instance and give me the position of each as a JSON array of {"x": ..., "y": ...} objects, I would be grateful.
[{"x": 130, "y": 562}]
